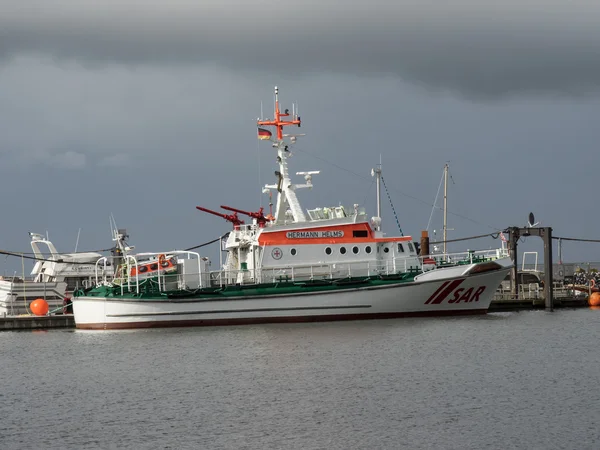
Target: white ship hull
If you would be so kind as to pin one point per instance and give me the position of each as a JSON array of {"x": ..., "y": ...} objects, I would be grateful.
[{"x": 430, "y": 295}]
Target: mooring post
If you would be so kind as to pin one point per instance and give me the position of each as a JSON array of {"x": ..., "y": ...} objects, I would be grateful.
[
  {"x": 546, "y": 235},
  {"x": 513, "y": 238}
]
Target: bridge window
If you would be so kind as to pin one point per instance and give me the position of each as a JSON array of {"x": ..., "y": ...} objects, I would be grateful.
[
  {"x": 343, "y": 250},
  {"x": 73, "y": 283},
  {"x": 400, "y": 248},
  {"x": 360, "y": 233},
  {"x": 410, "y": 247}
]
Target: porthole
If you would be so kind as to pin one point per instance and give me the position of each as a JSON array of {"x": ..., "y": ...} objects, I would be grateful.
[
  {"x": 328, "y": 250},
  {"x": 368, "y": 249},
  {"x": 293, "y": 252},
  {"x": 386, "y": 249},
  {"x": 343, "y": 250},
  {"x": 355, "y": 250}
]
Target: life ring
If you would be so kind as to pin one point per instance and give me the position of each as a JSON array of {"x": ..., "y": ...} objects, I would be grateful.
[
  {"x": 592, "y": 283},
  {"x": 162, "y": 258}
]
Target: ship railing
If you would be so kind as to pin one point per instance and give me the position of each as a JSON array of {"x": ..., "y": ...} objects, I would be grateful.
[
  {"x": 101, "y": 278},
  {"x": 466, "y": 257},
  {"x": 310, "y": 272},
  {"x": 163, "y": 280},
  {"x": 121, "y": 279}
]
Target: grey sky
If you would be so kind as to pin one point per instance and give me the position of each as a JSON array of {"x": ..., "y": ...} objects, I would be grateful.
[
  {"x": 148, "y": 110},
  {"x": 475, "y": 47}
]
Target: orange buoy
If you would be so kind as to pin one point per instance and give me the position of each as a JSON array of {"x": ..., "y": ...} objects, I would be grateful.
[
  {"x": 594, "y": 299},
  {"x": 39, "y": 307}
]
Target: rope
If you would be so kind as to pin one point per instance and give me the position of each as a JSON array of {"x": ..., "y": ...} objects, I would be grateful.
[
  {"x": 23, "y": 256},
  {"x": 24, "y": 287},
  {"x": 70, "y": 253},
  {"x": 412, "y": 197},
  {"x": 392, "y": 205},
  {"x": 208, "y": 243},
  {"x": 492, "y": 235},
  {"x": 435, "y": 202},
  {"x": 575, "y": 239}
]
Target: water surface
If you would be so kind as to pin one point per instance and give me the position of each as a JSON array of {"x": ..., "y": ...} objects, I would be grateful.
[{"x": 527, "y": 380}]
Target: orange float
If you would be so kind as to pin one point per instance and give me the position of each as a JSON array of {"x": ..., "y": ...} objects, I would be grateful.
[
  {"x": 39, "y": 307},
  {"x": 594, "y": 299}
]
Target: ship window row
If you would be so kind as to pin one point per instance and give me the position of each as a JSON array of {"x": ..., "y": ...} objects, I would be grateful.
[{"x": 356, "y": 250}]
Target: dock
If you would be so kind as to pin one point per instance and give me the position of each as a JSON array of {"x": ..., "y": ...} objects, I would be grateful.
[
  {"x": 518, "y": 304},
  {"x": 25, "y": 322}
]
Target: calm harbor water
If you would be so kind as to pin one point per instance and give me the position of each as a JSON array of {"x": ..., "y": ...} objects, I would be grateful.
[{"x": 526, "y": 380}]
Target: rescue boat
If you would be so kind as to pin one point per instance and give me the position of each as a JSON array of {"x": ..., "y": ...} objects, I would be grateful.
[{"x": 293, "y": 265}]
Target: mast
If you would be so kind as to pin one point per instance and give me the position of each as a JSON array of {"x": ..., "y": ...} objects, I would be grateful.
[
  {"x": 377, "y": 174},
  {"x": 560, "y": 251},
  {"x": 445, "y": 204},
  {"x": 286, "y": 190}
]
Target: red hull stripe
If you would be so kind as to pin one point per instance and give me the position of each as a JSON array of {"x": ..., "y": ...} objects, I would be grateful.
[
  {"x": 437, "y": 292},
  {"x": 440, "y": 298},
  {"x": 259, "y": 320}
]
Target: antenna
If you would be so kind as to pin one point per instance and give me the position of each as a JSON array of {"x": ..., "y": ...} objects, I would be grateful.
[
  {"x": 376, "y": 221},
  {"x": 445, "y": 205},
  {"x": 531, "y": 221},
  {"x": 77, "y": 241},
  {"x": 278, "y": 122}
]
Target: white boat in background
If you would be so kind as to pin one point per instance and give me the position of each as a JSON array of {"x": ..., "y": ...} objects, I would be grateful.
[
  {"x": 322, "y": 264},
  {"x": 54, "y": 278}
]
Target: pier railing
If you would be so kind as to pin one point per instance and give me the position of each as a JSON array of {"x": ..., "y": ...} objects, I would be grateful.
[{"x": 534, "y": 291}]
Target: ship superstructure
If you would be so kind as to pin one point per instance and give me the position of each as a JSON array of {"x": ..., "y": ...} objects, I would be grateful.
[{"x": 291, "y": 239}]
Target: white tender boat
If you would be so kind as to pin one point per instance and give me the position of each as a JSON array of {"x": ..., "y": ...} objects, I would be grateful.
[{"x": 53, "y": 278}]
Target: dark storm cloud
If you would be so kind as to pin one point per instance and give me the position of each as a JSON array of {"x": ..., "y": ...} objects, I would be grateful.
[{"x": 477, "y": 48}]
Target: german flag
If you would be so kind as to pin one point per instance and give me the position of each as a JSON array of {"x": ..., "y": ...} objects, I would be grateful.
[{"x": 264, "y": 134}]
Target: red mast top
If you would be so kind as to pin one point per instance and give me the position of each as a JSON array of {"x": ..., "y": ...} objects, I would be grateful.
[{"x": 277, "y": 122}]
